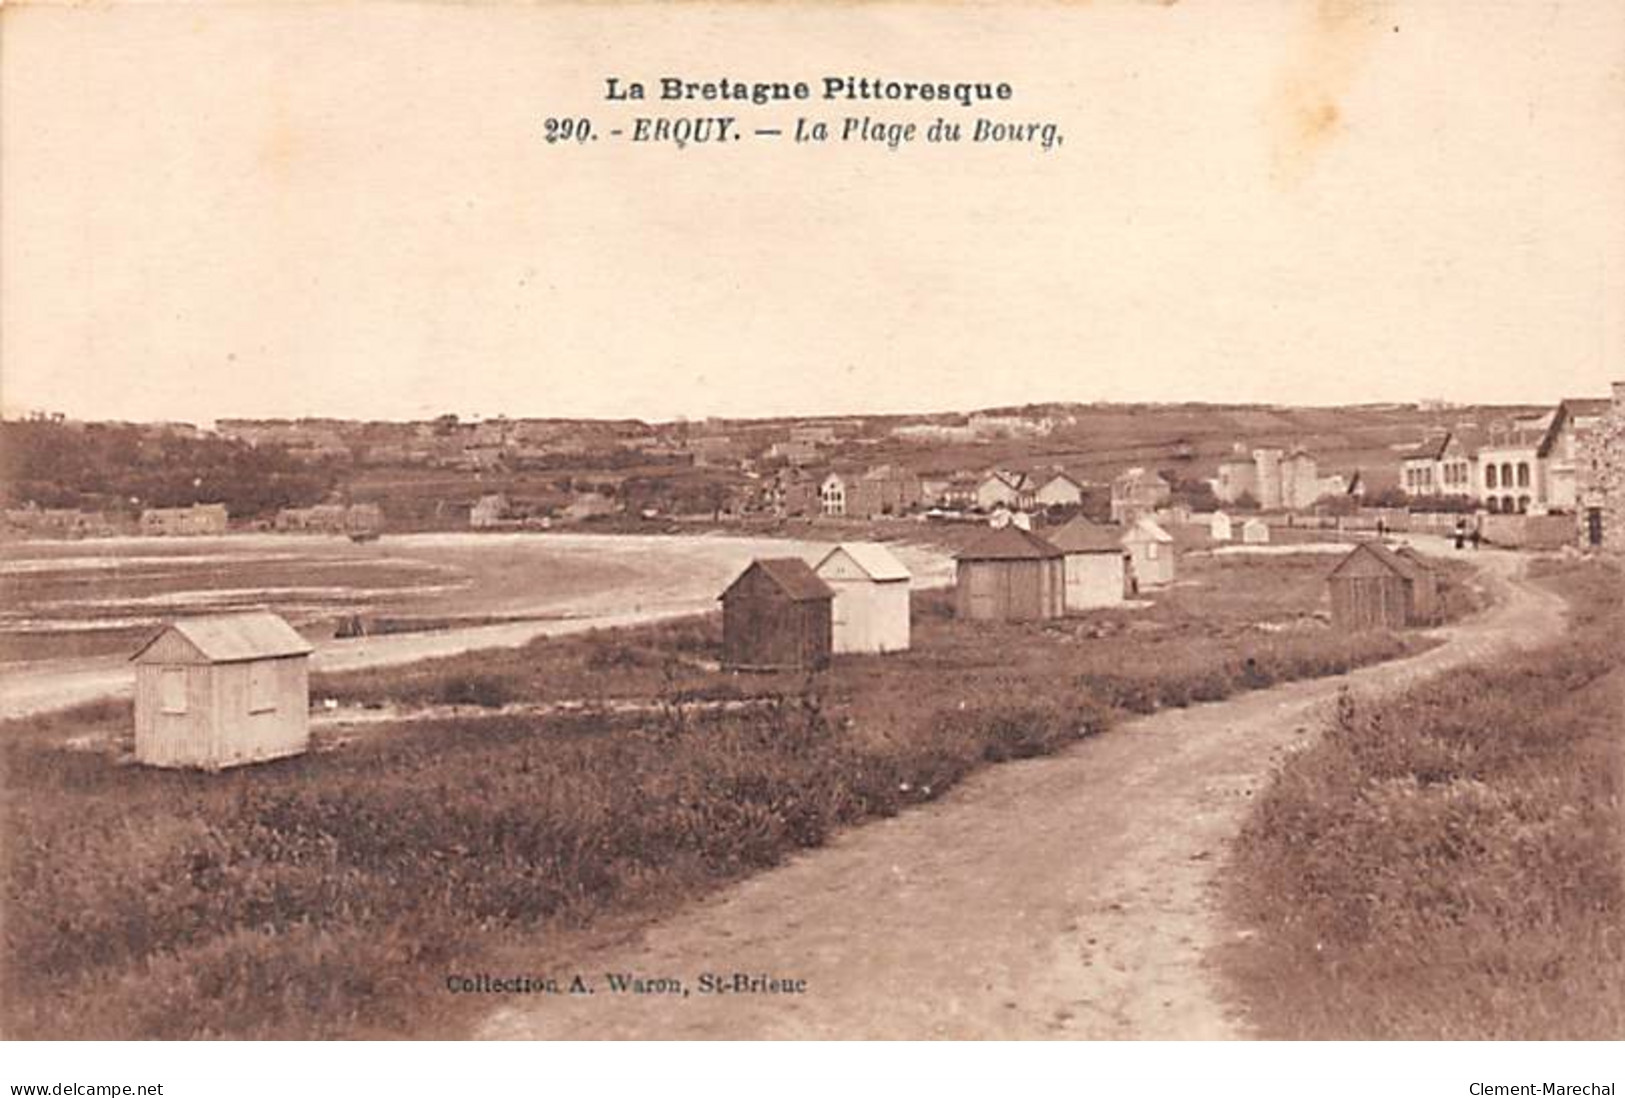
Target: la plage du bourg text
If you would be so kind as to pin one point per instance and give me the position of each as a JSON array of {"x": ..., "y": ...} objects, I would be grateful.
[{"x": 682, "y": 129}]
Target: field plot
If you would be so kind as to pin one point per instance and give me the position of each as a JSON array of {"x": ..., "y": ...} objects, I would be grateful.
[{"x": 331, "y": 894}]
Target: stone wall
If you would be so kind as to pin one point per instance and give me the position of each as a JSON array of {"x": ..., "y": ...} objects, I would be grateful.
[{"x": 1600, "y": 474}]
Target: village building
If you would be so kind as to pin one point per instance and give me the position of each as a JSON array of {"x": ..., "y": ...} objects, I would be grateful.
[
  {"x": 1509, "y": 476},
  {"x": 883, "y": 490},
  {"x": 832, "y": 493},
  {"x": 1002, "y": 488},
  {"x": 1255, "y": 531},
  {"x": 489, "y": 511},
  {"x": 870, "y": 612},
  {"x": 1219, "y": 527},
  {"x": 1444, "y": 465},
  {"x": 58, "y": 522},
  {"x": 1137, "y": 492},
  {"x": 1096, "y": 564},
  {"x": 1601, "y": 479},
  {"x": 794, "y": 451},
  {"x": 1560, "y": 450},
  {"x": 813, "y": 434},
  {"x": 323, "y": 518},
  {"x": 1011, "y": 574},
  {"x": 1375, "y": 588},
  {"x": 222, "y": 690},
  {"x": 1060, "y": 490},
  {"x": 793, "y": 493},
  {"x": 777, "y": 616},
  {"x": 1236, "y": 478},
  {"x": 198, "y": 519},
  {"x": 586, "y": 505},
  {"x": 1151, "y": 553}
]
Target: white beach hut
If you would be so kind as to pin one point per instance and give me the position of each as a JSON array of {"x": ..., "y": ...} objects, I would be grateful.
[
  {"x": 1219, "y": 527},
  {"x": 1255, "y": 531},
  {"x": 1096, "y": 563},
  {"x": 871, "y": 608},
  {"x": 222, "y": 690},
  {"x": 1151, "y": 553}
]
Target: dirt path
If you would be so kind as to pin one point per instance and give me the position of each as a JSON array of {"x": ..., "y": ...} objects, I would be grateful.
[{"x": 1068, "y": 897}]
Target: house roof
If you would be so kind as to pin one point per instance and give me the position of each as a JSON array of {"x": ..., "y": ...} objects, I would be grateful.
[
  {"x": 1010, "y": 543},
  {"x": 1565, "y": 411},
  {"x": 876, "y": 560},
  {"x": 1399, "y": 565},
  {"x": 792, "y": 575},
  {"x": 1409, "y": 554},
  {"x": 1137, "y": 474},
  {"x": 1147, "y": 529},
  {"x": 232, "y": 638},
  {"x": 1082, "y": 536},
  {"x": 1431, "y": 449}
]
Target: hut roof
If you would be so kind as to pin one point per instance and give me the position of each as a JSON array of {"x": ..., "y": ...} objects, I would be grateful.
[
  {"x": 1144, "y": 529},
  {"x": 233, "y": 638},
  {"x": 1010, "y": 543},
  {"x": 877, "y": 561},
  {"x": 792, "y": 575},
  {"x": 1082, "y": 536},
  {"x": 1409, "y": 553},
  {"x": 1385, "y": 556}
]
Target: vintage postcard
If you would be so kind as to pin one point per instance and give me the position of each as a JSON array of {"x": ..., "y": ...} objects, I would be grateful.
[{"x": 1052, "y": 521}]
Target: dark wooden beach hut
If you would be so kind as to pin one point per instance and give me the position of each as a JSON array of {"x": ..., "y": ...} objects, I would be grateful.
[
  {"x": 1375, "y": 588},
  {"x": 776, "y": 617},
  {"x": 1425, "y": 590},
  {"x": 1011, "y": 575}
]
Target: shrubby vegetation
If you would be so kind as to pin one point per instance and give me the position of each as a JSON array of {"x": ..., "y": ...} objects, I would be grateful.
[
  {"x": 328, "y": 895},
  {"x": 101, "y": 466},
  {"x": 1450, "y": 864}
]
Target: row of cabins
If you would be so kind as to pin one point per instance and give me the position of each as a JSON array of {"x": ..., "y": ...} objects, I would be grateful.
[
  {"x": 781, "y": 613},
  {"x": 1014, "y": 574},
  {"x": 225, "y": 690}
]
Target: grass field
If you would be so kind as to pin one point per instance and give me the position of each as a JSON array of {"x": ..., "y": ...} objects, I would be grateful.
[
  {"x": 1450, "y": 864},
  {"x": 331, "y": 894}
]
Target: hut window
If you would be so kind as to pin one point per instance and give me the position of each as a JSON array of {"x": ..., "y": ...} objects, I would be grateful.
[
  {"x": 1151, "y": 551},
  {"x": 261, "y": 688},
  {"x": 172, "y": 690}
]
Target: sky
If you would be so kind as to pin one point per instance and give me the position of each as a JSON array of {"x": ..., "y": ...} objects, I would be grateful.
[{"x": 264, "y": 209}]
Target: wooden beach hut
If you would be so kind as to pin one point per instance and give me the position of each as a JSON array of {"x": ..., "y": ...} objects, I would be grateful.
[
  {"x": 776, "y": 616},
  {"x": 1151, "y": 552},
  {"x": 1255, "y": 531},
  {"x": 1425, "y": 589},
  {"x": 871, "y": 608},
  {"x": 1096, "y": 564},
  {"x": 222, "y": 690},
  {"x": 1219, "y": 527},
  {"x": 1011, "y": 574},
  {"x": 1375, "y": 588}
]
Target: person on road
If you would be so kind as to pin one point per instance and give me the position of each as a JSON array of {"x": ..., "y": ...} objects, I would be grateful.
[{"x": 1461, "y": 533}]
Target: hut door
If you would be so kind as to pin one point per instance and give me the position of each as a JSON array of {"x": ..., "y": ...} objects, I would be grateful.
[
  {"x": 983, "y": 602},
  {"x": 1594, "y": 526}
]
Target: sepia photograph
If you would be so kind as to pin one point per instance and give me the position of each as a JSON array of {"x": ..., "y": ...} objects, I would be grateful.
[{"x": 1050, "y": 522}]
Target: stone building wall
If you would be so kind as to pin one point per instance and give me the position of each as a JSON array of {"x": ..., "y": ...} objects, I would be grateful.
[{"x": 1600, "y": 474}]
